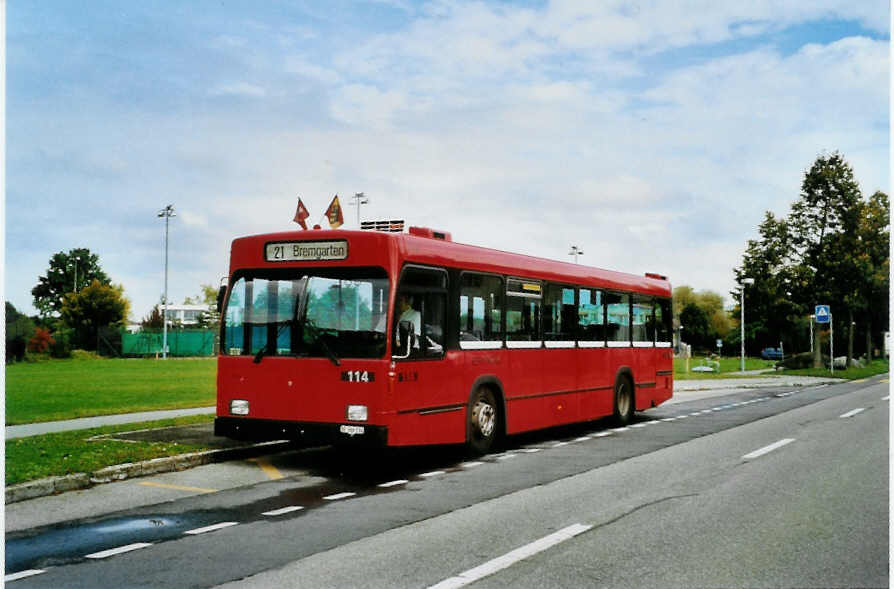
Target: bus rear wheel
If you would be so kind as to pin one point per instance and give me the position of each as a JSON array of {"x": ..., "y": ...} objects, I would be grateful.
[
  {"x": 483, "y": 421},
  {"x": 624, "y": 403}
]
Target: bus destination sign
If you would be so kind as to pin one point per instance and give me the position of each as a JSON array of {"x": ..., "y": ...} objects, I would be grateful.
[{"x": 306, "y": 251}]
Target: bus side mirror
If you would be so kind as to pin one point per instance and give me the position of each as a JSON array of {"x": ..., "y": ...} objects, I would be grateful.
[
  {"x": 221, "y": 293},
  {"x": 407, "y": 337}
]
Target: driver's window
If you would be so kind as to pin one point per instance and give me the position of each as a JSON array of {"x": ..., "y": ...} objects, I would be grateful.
[{"x": 420, "y": 310}]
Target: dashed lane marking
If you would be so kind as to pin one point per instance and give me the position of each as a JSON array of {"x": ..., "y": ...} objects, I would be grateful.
[
  {"x": 768, "y": 449},
  {"x": 472, "y": 464},
  {"x": 510, "y": 558},
  {"x": 119, "y": 550},
  {"x": 852, "y": 412},
  {"x": 22, "y": 575},
  {"x": 394, "y": 483},
  {"x": 284, "y": 510},
  {"x": 211, "y": 528},
  {"x": 886, "y": 398},
  {"x": 433, "y": 473},
  {"x": 176, "y": 487},
  {"x": 271, "y": 471},
  {"x": 338, "y": 496}
]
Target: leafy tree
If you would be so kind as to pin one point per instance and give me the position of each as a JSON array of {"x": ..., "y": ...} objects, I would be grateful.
[
  {"x": 719, "y": 324},
  {"x": 67, "y": 272},
  {"x": 831, "y": 249},
  {"x": 154, "y": 319},
  {"x": 41, "y": 341},
  {"x": 695, "y": 326},
  {"x": 94, "y": 307},
  {"x": 19, "y": 329}
]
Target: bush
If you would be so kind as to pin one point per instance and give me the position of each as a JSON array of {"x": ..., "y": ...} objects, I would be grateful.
[
  {"x": 799, "y": 361},
  {"x": 15, "y": 349},
  {"x": 84, "y": 355},
  {"x": 41, "y": 341}
]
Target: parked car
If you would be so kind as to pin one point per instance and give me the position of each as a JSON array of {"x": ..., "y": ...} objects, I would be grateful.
[{"x": 771, "y": 354}]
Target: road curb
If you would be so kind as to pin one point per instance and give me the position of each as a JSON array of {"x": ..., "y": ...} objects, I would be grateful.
[{"x": 120, "y": 472}]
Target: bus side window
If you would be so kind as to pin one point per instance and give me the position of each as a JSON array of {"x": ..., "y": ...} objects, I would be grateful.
[
  {"x": 591, "y": 316},
  {"x": 480, "y": 309},
  {"x": 422, "y": 300}
]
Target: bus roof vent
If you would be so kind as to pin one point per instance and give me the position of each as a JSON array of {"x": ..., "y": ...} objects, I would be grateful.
[
  {"x": 393, "y": 226},
  {"x": 430, "y": 233},
  {"x": 656, "y": 276}
]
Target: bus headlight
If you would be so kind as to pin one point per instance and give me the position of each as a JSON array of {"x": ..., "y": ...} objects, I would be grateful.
[
  {"x": 238, "y": 407},
  {"x": 357, "y": 413}
]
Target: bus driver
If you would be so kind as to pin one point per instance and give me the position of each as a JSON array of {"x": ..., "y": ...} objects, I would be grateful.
[{"x": 408, "y": 313}]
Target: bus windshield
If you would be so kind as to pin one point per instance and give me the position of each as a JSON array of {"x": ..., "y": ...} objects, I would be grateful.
[{"x": 329, "y": 313}]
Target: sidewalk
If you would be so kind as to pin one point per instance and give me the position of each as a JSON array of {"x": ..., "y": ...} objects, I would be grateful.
[{"x": 47, "y": 427}]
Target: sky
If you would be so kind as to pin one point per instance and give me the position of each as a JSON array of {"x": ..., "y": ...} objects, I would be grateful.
[{"x": 652, "y": 135}]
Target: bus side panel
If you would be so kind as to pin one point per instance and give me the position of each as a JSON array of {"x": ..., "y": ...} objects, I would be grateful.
[
  {"x": 430, "y": 401},
  {"x": 596, "y": 380},
  {"x": 655, "y": 372},
  {"x": 526, "y": 407},
  {"x": 560, "y": 375}
]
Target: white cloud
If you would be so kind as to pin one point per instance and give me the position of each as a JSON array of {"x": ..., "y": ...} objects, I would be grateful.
[{"x": 240, "y": 89}]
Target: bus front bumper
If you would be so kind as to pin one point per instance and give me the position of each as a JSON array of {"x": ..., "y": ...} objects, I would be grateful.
[{"x": 308, "y": 433}]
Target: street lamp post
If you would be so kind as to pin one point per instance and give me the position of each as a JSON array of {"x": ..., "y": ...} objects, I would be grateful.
[
  {"x": 75, "y": 262},
  {"x": 167, "y": 213},
  {"x": 745, "y": 281},
  {"x": 359, "y": 199},
  {"x": 575, "y": 251}
]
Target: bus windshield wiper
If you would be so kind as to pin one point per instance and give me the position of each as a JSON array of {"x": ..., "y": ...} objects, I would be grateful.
[
  {"x": 263, "y": 351},
  {"x": 318, "y": 337}
]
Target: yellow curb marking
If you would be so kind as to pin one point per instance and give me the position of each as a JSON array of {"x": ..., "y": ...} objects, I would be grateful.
[
  {"x": 885, "y": 380},
  {"x": 861, "y": 380},
  {"x": 271, "y": 471},
  {"x": 177, "y": 487}
]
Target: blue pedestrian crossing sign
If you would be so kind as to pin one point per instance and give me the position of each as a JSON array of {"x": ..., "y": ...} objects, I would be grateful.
[{"x": 823, "y": 314}]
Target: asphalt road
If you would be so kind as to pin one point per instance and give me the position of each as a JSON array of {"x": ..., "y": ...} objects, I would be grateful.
[{"x": 762, "y": 488}]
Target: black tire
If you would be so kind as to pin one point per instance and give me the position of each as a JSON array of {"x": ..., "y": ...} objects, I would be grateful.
[
  {"x": 483, "y": 421},
  {"x": 624, "y": 404}
]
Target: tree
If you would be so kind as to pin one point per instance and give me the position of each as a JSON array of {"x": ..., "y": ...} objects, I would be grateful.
[
  {"x": 94, "y": 307},
  {"x": 19, "y": 329},
  {"x": 831, "y": 249},
  {"x": 67, "y": 272},
  {"x": 710, "y": 303},
  {"x": 41, "y": 341},
  {"x": 153, "y": 320},
  {"x": 695, "y": 326}
]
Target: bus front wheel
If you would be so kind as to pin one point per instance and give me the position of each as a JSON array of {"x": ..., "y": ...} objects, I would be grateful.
[
  {"x": 624, "y": 403},
  {"x": 483, "y": 421}
]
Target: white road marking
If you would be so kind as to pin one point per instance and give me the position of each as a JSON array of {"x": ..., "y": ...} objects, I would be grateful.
[
  {"x": 119, "y": 550},
  {"x": 213, "y": 528},
  {"x": 767, "y": 449},
  {"x": 641, "y": 424},
  {"x": 510, "y": 558},
  {"x": 582, "y": 439},
  {"x": 530, "y": 450},
  {"x": 886, "y": 398},
  {"x": 433, "y": 473},
  {"x": 852, "y": 412},
  {"x": 394, "y": 483},
  {"x": 602, "y": 434},
  {"x": 621, "y": 429},
  {"x": 285, "y": 510},
  {"x": 506, "y": 456},
  {"x": 338, "y": 496},
  {"x": 471, "y": 464},
  {"x": 22, "y": 575},
  {"x": 669, "y": 419},
  {"x": 560, "y": 444}
]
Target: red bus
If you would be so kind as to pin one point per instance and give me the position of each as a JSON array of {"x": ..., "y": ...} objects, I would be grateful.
[{"x": 405, "y": 339}]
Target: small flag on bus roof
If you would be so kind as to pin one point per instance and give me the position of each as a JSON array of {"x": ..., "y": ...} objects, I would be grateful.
[
  {"x": 333, "y": 213},
  {"x": 301, "y": 214}
]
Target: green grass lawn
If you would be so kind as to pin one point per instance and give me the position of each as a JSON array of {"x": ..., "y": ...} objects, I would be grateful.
[
  {"x": 728, "y": 365},
  {"x": 37, "y": 457},
  {"x": 874, "y": 367},
  {"x": 66, "y": 389}
]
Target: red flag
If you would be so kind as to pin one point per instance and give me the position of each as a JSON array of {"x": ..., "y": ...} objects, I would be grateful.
[
  {"x": 301, "y": 214},
  {"x": 333, "y": 213}
]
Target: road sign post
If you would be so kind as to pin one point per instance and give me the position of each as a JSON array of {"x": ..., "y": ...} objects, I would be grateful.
[{"x": 824, "y": 315}]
